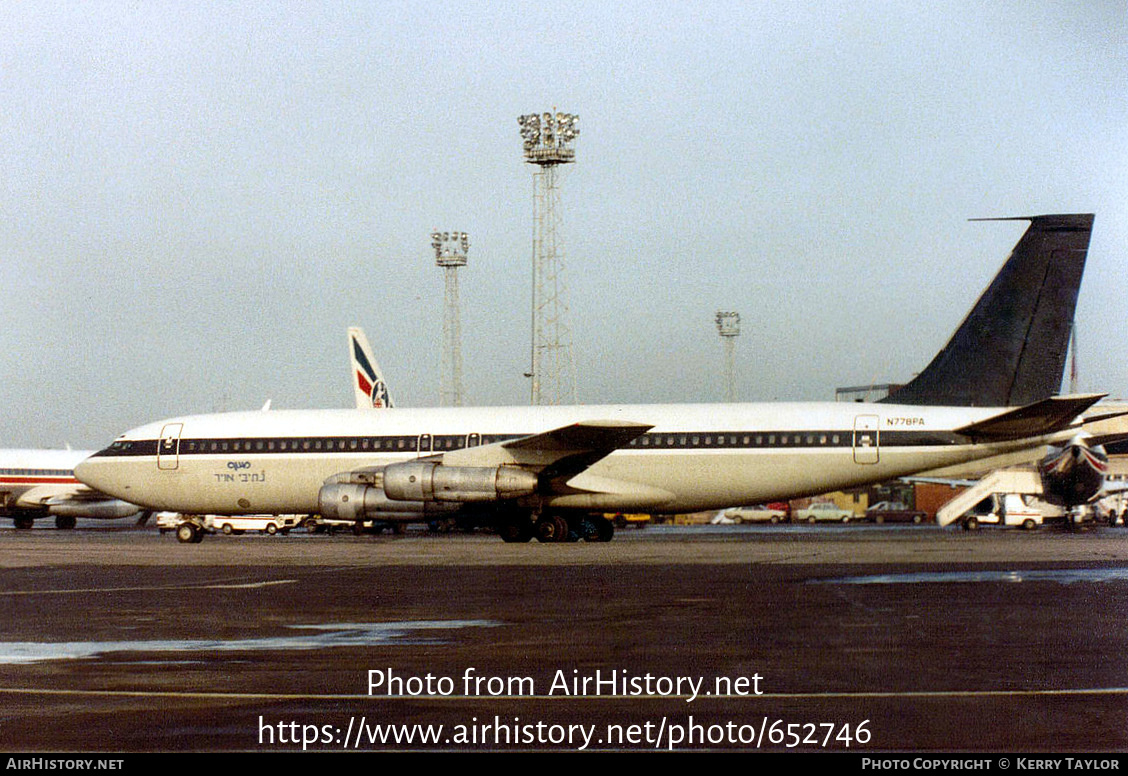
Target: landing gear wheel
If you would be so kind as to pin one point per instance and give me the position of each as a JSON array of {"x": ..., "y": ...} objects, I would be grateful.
[
  {"x": 548, "y": 530},
  {"x": 562, "y": 529},
  {"x": 187, "y": 533},
  {"x": 587, "y": 529},
  {"x": 605, "y": 529},
  {"x": 515, "y": 531},
  {"x": 23, "y": 523},
  {"x": 65, "y": 522}
]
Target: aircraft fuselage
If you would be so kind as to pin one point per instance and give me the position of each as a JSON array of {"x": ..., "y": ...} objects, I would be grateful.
[{"x": 694, "y": 457}]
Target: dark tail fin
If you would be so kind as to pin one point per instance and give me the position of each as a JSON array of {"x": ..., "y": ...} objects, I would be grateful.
[{"x": 1011, "y": 348}]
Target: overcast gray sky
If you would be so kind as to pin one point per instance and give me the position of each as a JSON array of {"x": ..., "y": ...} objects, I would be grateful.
[{"x": 197, "y": 198}]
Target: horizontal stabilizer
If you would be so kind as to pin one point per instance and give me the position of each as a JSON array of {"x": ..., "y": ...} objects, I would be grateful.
[
  {"x": 1105, "y": 416},
  {"x": 951, "y": 482},
  {"x": 1106, "y": 428},
  {"x": 1043, "y": 417}
]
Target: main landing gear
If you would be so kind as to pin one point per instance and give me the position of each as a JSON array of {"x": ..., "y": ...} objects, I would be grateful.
[
  {"x": 555, "y": 528},
  {"x": 189, "y": 533}
]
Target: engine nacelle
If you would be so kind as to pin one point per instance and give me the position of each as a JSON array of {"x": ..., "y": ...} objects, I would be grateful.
[
  {"x": 107, "y": 509},
  {"x": 427, "y": 481},
  {"x": 349, "y": 501}
]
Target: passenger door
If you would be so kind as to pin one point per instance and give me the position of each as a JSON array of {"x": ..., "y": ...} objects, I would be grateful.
[
  {"x": 866, "y": 450},
  {"x": 168, "y": 448}
]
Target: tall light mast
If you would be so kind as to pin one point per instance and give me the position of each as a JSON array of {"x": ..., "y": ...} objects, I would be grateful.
[
  {"x": 450, "y": 254},
  {"x": 728, "y": 326},
  {"x": 548, "y": 141}
]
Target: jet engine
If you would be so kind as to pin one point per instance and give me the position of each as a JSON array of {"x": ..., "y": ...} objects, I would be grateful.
[
  {"x": 428, "y": 481},
  {"x": 106, "y": 509},
  {"x": 355, "y": 502}
]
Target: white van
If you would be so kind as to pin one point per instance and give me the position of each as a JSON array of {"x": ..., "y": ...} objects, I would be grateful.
[{"x": 1008, "y": 509}]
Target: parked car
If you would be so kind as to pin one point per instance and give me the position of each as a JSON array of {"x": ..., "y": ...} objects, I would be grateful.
[
  {"x": 894, "y": 512},
  {"x": 270, "y": 524},
  {"x": 823, "y": 512},
  {"x": 763, "y": 513}
]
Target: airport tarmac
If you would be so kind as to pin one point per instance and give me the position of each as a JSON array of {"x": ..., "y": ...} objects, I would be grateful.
[{"x": 859, "y": 638}]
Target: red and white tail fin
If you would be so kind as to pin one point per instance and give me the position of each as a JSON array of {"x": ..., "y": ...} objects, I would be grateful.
[{"x": 369, "y": 388}]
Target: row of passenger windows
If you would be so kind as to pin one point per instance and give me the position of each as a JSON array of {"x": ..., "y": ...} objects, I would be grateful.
[
  {"x": 36, "y": 473},
  {"x": 338, "y": 444},
  {"x": 734, "y": 440},
  {"x": 451, "y": 442}
]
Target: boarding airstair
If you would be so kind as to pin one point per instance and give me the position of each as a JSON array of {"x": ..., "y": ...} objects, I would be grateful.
[{"x": 1023, "y": 480}]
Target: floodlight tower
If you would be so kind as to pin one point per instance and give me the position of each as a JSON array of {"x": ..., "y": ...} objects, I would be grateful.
[
  {"x": 728, "y": 326},
  {"x": 450, "y": 254},
  {"x": 548, "y": 141}
]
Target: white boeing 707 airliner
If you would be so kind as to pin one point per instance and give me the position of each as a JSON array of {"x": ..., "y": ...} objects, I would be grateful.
[{"x": 551, "y": 471}]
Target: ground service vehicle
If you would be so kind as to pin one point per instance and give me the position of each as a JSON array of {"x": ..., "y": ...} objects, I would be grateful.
[
  {"x": 192, "y": 528},
  {"x": 1002, "y": 509}
]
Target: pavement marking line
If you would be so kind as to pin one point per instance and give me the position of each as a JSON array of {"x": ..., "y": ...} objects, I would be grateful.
[
  {"x": 432, "y": 698},
  {"x": 153, "y": 588}
]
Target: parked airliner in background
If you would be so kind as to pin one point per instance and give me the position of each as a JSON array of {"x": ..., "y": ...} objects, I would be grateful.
[
  {"x": 552, "y": 471},
  {"x": 41, "y": 483},
  {"x": 370, "y": 390}
]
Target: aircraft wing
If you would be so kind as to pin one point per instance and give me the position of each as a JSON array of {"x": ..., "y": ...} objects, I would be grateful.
[
  {"x": 81, "y": 495},
  {"x": 552, "y": 463},
  {"x": 559, "y": 453},
  {"x": 1043, "y": 417},
  {"x": 48, "y": 495}
]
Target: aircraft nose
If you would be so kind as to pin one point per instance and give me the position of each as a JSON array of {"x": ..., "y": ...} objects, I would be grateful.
[
  {"x": 92, "y": 473},
  {"x": 82, "y": 470}
]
